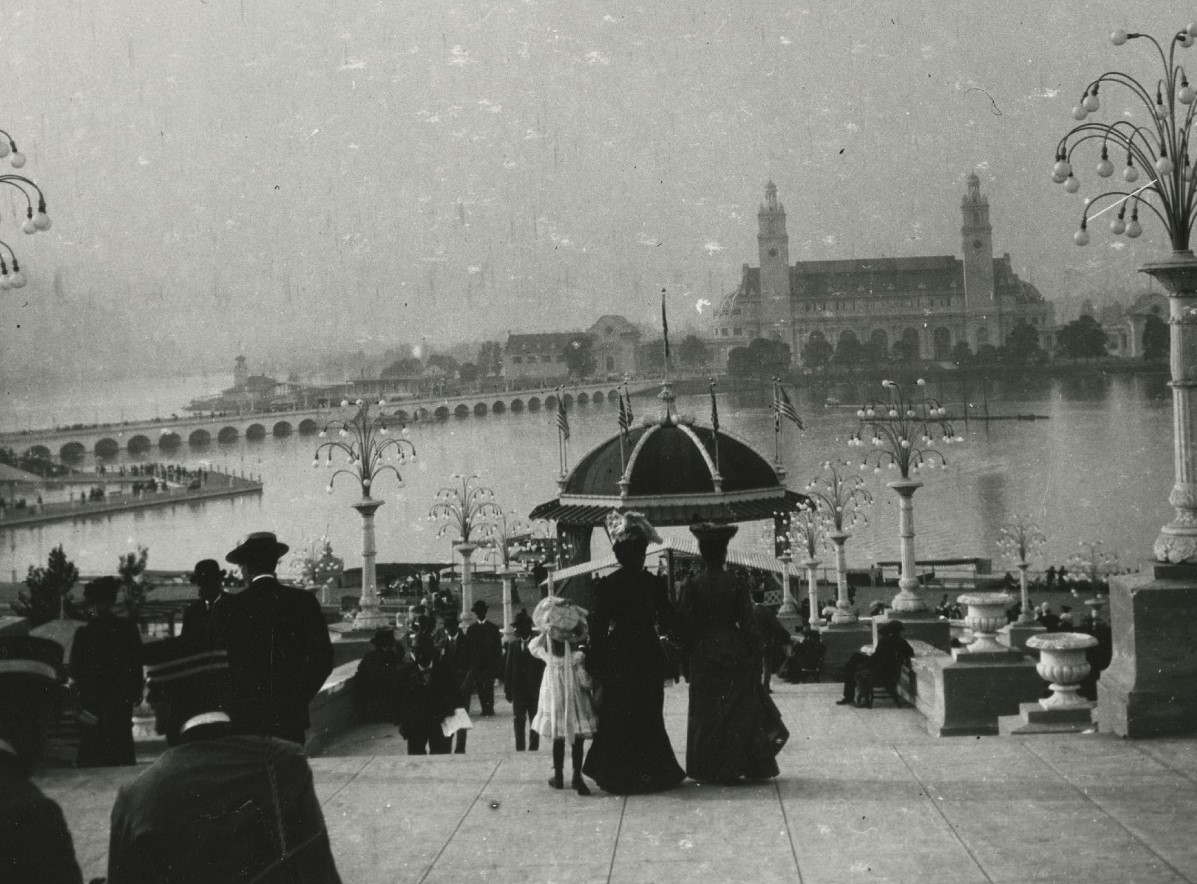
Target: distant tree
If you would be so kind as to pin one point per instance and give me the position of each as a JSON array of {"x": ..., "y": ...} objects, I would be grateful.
[
  {"x": 692, "y": 352},
  {"x": 467, "y": 372},
  {"x": 771, "y": 357},
  {"x": 49, "y": 590},
  {"x": 1082, "y": 338},
  {"x": 962, "y": 353},
  {"x": 444, "y": 362},
  {"x": 817, "y": 352},
  {"x": 579, "y": 357},
  {"x": 905, "y": 349},
  {"x": 986, "y": 354},
  {"x": 404, "y": 368},
  {"x": 1022, "y": 345},
  {"x": 1157, "y": 340},
  {"x": 740, "y": 363},
  {"x": 131, "y": 568},
  {"x": 1087, "y": 308},
  {"x": 490, "y": 359},
  {"x": 849, "y": 353}
]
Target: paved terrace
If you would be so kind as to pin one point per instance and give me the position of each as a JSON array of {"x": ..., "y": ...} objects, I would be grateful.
[{"x": 864, "y": 795}]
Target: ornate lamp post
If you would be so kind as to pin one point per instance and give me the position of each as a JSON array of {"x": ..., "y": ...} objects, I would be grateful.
[
  {"x": 1094, "y": 562},
  {"x": 501, "y": 530},
  {"x": 840, "y": 498},
  {"x": 1020, "y": 539},
  {"x": 33, "y": 222},
  {"x": 901, "y": 429},
  {"x": 464, "y": 511},
  {"x": 362, "y": 439},
  {"x": 806, "y": 531}
]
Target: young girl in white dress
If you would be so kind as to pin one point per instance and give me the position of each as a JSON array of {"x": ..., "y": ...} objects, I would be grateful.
[{"x": 566, "y": 709}]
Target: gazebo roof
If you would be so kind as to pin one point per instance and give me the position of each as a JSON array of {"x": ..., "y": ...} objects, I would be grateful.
[{"x": 674, "y": 471}]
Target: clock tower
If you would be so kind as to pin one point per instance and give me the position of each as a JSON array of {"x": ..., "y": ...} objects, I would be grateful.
[
  {"x": 773, "y": 244},
  {"x": 976, "y": 236}
]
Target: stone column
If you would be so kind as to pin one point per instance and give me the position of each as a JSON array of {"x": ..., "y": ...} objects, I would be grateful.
[
  {"x": 369, "y": 617},
  {"x": 908, "y": 600},
  {"x": 812, "y": 589},
  {"x": 467, "y": 575},
  {"x": 788, "y": 608},
  {"x": 843, "y": 606},
  {"x": 507, "y": 575},
  {"x": 1025, "y": 617}
]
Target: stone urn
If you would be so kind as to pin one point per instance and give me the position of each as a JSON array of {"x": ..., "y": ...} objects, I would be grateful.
[
  {"x": 1062, "y": 663},
  {"x": 986, "y": 615}
]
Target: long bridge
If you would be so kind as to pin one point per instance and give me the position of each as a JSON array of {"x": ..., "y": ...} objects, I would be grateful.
[{"x": 168, "y": 434}]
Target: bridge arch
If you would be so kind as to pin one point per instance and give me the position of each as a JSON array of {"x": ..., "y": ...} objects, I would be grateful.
[
  {"x": 41, "y": 452},
  {"x": 199, "y": 437},
  {"x": 308, "y": 427},
  {"x": 442, "y": 413},
  {"x": 255, "y": 431},
  {"x": 534, "y": 404},
  {"x": 170, "y": 440},
  {"x": 462, "y": 410},
  {"x": 613, "y": 396},
  {"x": 402, "y": 415},
  {"x": 283, "y": 428},
  {"x": 228, "y": 434},
  {"x": 72, "y": 451},
  {"x": 480, "y": 409},
  {"x": 137, "y": 444},
  {"x": 583, "y": 399},
  {"x": 569, "y": 399},
  {"x": 517, "y": 405},
  {"x": 550, "y": 401},
  {"x": 499, "y": 407}
]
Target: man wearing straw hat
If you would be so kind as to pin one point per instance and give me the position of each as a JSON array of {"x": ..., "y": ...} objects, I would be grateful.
[
  {"x": 35, "y": 845},
  {"x": 279, "y": 649},
  {"x": 216, "y": 805}
]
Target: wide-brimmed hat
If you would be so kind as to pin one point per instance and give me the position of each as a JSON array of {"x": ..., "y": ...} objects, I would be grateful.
[
  {"x": 630, "y": 525},
  {"x": 31, "y": 656},
  {"x": 179, "y": 661},
  {"x": 714, "y": 531},
  {"x": 207, "y": 571},
  {"x": 102, "y": 589},
  {"x": 480, "y": 607},
  {"x": 257, "y": 547},
  {"x": 561, "y": 619}
]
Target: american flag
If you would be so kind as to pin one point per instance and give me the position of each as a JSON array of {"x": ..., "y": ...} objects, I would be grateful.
[
  {"x": 785, "y": 408},
  {"x": 562, "y": 417},
  {"x": 625, "y": 415},
  {"x": 714, "y": 409}
]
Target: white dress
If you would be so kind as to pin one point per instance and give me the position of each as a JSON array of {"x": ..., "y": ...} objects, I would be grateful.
[{"x": 566, "y": 710}]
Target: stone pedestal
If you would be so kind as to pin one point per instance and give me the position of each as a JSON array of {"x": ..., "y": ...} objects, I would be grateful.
[
  {"x": 1150, "y": 687},
  {"x": 1015, "y": 635},
  {"x": 921, "y": 626},
  {"x": 970, "y": 693},
  {"x": 841, "y": 640},
  {"x": 370, "y": 616}
]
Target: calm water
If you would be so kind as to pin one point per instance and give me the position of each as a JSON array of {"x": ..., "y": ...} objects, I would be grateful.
[{"x": 1099, "y": 469}]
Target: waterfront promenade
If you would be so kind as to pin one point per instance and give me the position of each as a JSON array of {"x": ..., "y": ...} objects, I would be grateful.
[{"x": 864, "y": 795}]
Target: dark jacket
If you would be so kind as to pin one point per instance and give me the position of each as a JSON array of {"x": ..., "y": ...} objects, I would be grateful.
[
  {"x": 35, "y": 845},
  {"x": 457, "y": 654},
  {"x": 106, "y": 666},
  {"x": 227, "y": 808},
  {"x": 522, "y": 674},
  {"x": 279, "y": 653},
  {"x": 487, "y": 649},
  {"x": 891, "y": 654},
  {"x": 203, "y": 622},
  {"x": 426, "y": 699}
]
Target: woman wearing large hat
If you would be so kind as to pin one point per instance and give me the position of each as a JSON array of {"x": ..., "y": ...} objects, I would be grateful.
[
  {"x": 631, "y": 752},
  {"x": 732, "y": 727}
]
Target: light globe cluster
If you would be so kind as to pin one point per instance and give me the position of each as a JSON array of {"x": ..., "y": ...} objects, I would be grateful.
[
  {"x": 34, "y": 221},
  {"x": 902, "y": 430},
  {"x": 1157, "y": 149},
  {"x": 368, "y": 457}
]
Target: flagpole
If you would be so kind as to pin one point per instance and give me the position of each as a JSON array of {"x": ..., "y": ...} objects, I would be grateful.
[
  {"x": 776, "y": 425},
  {"x": 715, "y": 424}
]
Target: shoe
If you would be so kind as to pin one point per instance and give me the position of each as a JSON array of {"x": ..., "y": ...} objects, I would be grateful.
[
  {"x": 557, "y": 781},
  {"x": 844, "y": 702},
  {"x": 579, "y": 785}
]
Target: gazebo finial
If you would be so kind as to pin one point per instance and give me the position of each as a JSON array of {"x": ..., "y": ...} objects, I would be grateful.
[{"x": 667, "y": 396}]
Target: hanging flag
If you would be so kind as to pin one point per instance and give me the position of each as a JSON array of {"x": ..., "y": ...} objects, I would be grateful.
[
  {"x": 714, "y": 409},
  {"x": 628, "y": 398},
  {"x": 786, "y": 408},
  {"x": 562, "y": 417},
  {"x": 776, "y": 408},
  {"x": 625, "y": 419},
  {"x": 664, "y": 325}
]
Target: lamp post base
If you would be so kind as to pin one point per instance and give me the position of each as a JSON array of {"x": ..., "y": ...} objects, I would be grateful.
[{"x": 371, "y": 619}]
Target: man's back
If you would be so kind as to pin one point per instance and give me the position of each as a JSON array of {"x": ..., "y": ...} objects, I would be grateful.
[
  {"x": 487, "y": 647},
  {"x": 35, "y": 845},
  {"x": 279, "y": 653},
  {"x": 234, "y": 808}
]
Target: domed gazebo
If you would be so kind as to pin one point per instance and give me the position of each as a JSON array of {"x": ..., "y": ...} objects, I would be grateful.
[{"x": 673, "y": 470}]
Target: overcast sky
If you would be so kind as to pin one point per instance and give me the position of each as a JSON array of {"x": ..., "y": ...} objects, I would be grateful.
[{"x": 266, "y": 175}]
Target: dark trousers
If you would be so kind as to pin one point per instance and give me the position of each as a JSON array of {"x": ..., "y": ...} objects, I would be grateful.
[
  {"x": 484, "y": 686},
  {"x": 433, "y": 742},
  {"x": 857, "y": 663},
  {"x": 524, "y": 712}
]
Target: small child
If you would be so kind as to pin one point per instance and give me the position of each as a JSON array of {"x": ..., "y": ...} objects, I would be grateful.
[{"x": 565, "y": 711}]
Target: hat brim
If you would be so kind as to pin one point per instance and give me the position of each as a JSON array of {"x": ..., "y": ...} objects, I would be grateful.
[{"x": 257, "y": 551}]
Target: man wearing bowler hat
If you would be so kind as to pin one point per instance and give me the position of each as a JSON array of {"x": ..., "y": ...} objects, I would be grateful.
[
  {"x": 203, "y": 619},
  {"x": 35, "y": 844},
  {"x": 216, "y": 805},
  {"x": 278, "y": 644},
  {"x": 106, "y": 666}
]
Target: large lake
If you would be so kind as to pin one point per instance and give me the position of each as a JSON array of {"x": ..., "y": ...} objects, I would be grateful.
[{"x": 1098, "y": 469}]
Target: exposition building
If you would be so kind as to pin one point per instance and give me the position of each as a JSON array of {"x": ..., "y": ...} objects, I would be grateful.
[{"x": 931, "y": 303}]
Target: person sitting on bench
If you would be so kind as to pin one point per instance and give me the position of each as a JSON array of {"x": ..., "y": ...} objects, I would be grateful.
[{"x": 883, "y": 667}]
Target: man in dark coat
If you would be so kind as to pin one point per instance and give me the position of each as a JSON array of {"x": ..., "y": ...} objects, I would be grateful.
[
  {"x": 106, "y": 666},
  {"x": 278, "y": 643},
  {"x": 428, "y": 693},
  {"x": 35, "y": 845},
  {"x": 522, "y": 674},
  {"x": 775, "y": 640},
  {"x": 456, "y": 653},
  {"x": 203, "y": 619},
  {"x": 882, "y": 667},
  {"x": 215, "y": 806},
  {"x": 487, "y": 652},
  {"x": 374, "y": 682}
]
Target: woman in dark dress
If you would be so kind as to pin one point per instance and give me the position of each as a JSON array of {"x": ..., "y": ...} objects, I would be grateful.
[
  {"x": 631, "y": 752},
  {"x": 726, "y": 738}
]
